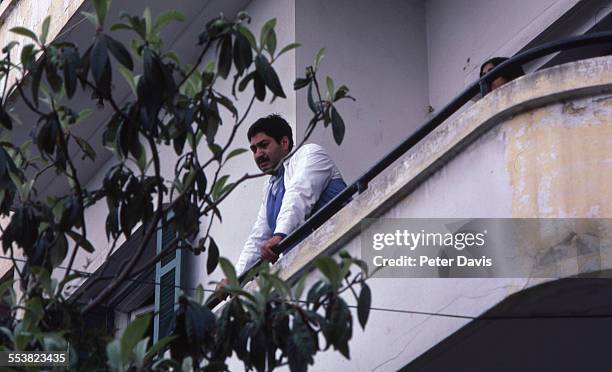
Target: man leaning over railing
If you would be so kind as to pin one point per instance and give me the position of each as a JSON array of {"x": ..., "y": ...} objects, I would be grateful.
[{"x": 298, "y": 187}]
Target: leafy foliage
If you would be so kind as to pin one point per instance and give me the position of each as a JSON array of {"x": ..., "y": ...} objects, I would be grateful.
[{"x": 172, "y": 104}]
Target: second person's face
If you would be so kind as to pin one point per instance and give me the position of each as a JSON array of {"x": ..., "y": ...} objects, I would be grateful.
[{"x": 497, "y": 82}]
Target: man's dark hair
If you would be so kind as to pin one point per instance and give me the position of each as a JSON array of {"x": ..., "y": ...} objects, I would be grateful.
[
  {"x": 274, "y": 126},
  {"x": 510, "y": 74}
]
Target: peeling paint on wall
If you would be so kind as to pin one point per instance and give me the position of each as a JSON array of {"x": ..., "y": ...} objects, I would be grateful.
[{"x": 559, "y": 159}]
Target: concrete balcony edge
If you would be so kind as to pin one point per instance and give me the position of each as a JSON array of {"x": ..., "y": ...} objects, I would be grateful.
[{"x": 571, "y": 80}]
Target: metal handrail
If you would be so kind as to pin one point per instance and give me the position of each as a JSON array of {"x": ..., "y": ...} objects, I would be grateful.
[{"x": 361, "y": 184}]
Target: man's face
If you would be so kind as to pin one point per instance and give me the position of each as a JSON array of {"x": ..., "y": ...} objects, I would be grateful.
[{"x": 267, "y": 152}]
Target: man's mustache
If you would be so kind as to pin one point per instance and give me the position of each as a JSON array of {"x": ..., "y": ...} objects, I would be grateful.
[{"x": 262, "y": 159}]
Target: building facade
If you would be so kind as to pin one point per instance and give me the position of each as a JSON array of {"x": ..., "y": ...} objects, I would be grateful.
[{"x": 539, "y": 147}]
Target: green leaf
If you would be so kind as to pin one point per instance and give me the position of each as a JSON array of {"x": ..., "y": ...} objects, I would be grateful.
[
  {"x": 218, "y": 187},
  {"x": 119, "y": 52},
  {"x": 341, "y": 93},
  {"x": 121, "y": 26},
  {"x": 167, "y": 17},
  {"x": 363, "y": 305},
  {"x": 330, "y": 87},
  {"x": 140, "y": 352},
  {"x": 288, "y": 48},
  {"x": 339, "y": 330},
  {"x": 245, "y": 81},
  {"x": 187, "y": 365},
  {"x": 78, "y": 238},
  {"x": 258, "y": 350},
  {"x": 271, "y": 42},
  {"x": 142, "y": 160},
  {"x": 319, "y": 57},
  {"x": 71, "y": 64},
  {"x": 101, "y": 10},
  {"x": 8, "y": 284},
  {"x": 301, "y": 345},
  {"x": 8, "y": 47},
  {"x": 329, "y": 268},
  {"x": 362, "y": 265},
  {"x": 260, "y": 88},
  {"x": 27, "y": 57},
  {"x": 200, "y": 322},
  {"x": 88, "y": 151},
  {"x": 300, "y": 83},
  {"x": 25, "y": 32},
  {"x": 265, "y": 30},
  {"x": 345, "y": 267},
  {"x": 199, "y": 294},
  {"x": 159, "y": 345},
  {"x": 311, "y": 103},
  {"x": 36, "y": 77},
  {"x": 228, "y": 270},
  {"x": 132, "y": 334},
  {"x": 55, "y": 81},
  {"x": 151, "y": 84},
  {"x": 228, "y": 104},
  {"x": 213, "y": 256},
  {"x": 338, "y": 128},
  {"x": 215, "y": 149},
  {"x": 92, "y": 18},
  {"x": 113, "y": 355},
  {"x": 249, "y": 36},
  {"x": 201, "y": 182},
  {"x": 225, "y": 57},
  {"x": 243, "y": 56},
  {"x": 147, "y": 21},
  {"x": 53, "y": 341},
  {"x": 59, "y": 251},
  {"x": 173, "y": 56},
  {"x": 280, "y": 285},
  {"x": 268, "y": 75},
  {"x": 129, "y": 78},
  {"x": 99, "y": 60},
  {"x": 45, "y": 30},
  {"x": 7, "y": 122},
  {"x": 235, "y": 152},
  {"x": 137, "y": 25}
]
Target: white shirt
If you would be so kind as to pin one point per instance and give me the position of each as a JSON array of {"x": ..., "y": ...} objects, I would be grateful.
[{"x": 307, "y": 174}]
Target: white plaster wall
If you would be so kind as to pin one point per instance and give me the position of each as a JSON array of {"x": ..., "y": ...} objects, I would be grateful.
[
  {"x": 379, "y": 51},
  {"x": 461, "y": 34}
]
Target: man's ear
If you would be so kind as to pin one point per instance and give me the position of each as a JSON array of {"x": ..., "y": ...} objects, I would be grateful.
[{"x": 285, "y": 144}]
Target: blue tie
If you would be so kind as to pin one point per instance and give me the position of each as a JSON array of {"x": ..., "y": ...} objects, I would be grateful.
[{"x": 275, "y": 198}]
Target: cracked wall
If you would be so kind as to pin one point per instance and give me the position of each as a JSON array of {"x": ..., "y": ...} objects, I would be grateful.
[{"x": 559, "y": 158}]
